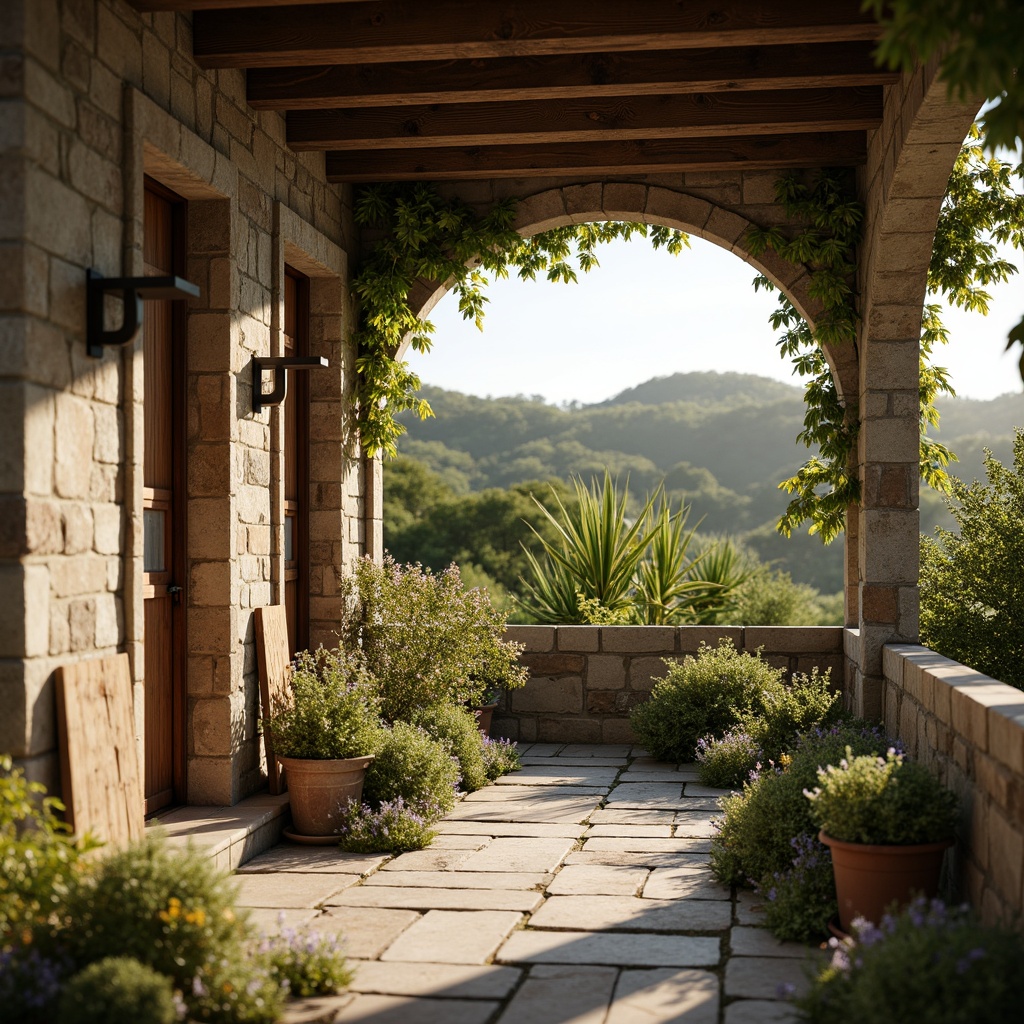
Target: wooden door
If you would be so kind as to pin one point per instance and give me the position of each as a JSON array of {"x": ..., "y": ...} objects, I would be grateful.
[
  {"x": 163, "y": 518},
  {"x": 296, "y": 472}
]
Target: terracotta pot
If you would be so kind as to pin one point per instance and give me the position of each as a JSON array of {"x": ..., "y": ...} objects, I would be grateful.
[
  {"x": 483, "y": 717},
  {"x": 319, "y": 790},
  {"x": 869, "y": 878}
]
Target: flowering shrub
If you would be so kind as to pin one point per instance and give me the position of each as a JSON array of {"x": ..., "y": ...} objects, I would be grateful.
[
  {"x": 119, "y": 990},
  {"x": 410, "y": 765},
  {"x": 500, "y": 757},
  {"x": 30, "y": 981},
  {"x": 888, "y": 800},
  {"x": 930, "y": 963},
  {"x": 456, "y": 728},
  {"x": 333, "y": 711},
  {"x": 801, "y": 900},
  {"x": 393, "y": 827},
  {"x": 425, "y": 638},
  {"x": 305, "y": 963},
  {"x": 728, "y": 760}
]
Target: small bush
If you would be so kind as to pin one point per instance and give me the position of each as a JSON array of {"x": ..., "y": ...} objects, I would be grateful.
[
  {"x": 118, "y": 990},
  {"x": 306, "y": 964},
  {"x": 727, "y": 761},
  {"x": 411, "y": 765},
  {"x": 457, "y": 729},
  {"x": 929, "y": 963},
  {"x": 701, "y": 695},
  {"x": 30, "y": 983},
  {"x": 800, "y": 901},
  {"x": 500, "y": 758},
  {"x": 885, "y": 800},
  {"x": 754, "y": 836},
  {"x": 393, "y": 827},
  {"x": 333, "y": 710}
]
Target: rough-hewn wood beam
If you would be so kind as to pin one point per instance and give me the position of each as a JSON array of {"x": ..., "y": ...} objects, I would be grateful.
[
  {"x": 567, "y": 76},
  {"x": 588, "y": 120},
  {"x": 218, "y": 5},
  {"x": 841, "y": 149},
  {"x": 400, "y": 30}
]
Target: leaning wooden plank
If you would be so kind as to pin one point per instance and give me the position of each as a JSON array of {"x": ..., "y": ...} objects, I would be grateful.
[
  {"x": 99, "y": 757},
  {"x": 274, "y": 662}
]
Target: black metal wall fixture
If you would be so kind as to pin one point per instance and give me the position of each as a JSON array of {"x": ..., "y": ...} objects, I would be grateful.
[
  {"x": 280, "y": 365},
  {"x": 133, "y": 290}
]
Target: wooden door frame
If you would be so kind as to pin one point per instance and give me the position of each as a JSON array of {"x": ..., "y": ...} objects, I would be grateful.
[{"x": 179, "y": 507}]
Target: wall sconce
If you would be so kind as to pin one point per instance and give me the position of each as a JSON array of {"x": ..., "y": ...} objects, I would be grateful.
[
  {"x": 280, "y": 365},
  {"x": 133, "y": 290}
]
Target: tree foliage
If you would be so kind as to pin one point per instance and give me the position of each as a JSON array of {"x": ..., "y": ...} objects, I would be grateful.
[{"x": 972, "y": 590}]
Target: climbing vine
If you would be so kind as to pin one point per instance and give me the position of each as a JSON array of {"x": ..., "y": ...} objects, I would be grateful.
[{"x": 422, "y": 235}]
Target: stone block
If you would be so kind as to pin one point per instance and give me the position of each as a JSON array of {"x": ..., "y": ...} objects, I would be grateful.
[
  {"x": 972, "y": 695},
  {"x": 563, "y": 695},
  {"x": 291, "y": 890},
  {"x": 1006, "y": 732},
  {"x": 644, "y": 673},
  {"x": 568, "y": 730},
  {"x": 386, "y": 1009},
  {"x": 724, "y": 228},
  {"x": 443, "y": 936},
  {"x": 577, "y": 638},
  {"x": 617, "y": 730},
  {"x": 759, "y": 977},
  {"x": 626, "y": 950},
  {"x": 583, "y": 203},
  {"x": 409, "y": 898},
  {"x": 676, "y": 210},
  {"x": 577, "y": 993},
  {"x": 642, "y": 639},
  {"x": 624, "y": 201},
  {"x": 458, "y": 981},
  {"x": 665, "y": 995},
  {"x": 691, "y": 637},
  {"x": 541, "y": 212},
  {"x": 553, "y": 663},
  {"x": 534, "y": 638},
  {"x": 1006, "y": 856}
]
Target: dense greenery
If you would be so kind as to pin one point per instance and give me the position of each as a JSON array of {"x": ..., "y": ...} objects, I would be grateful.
[
  {"x": 118, "y": 990},
  {"x": 411, "y": 765},
  {"x": 972, "y": 590}
]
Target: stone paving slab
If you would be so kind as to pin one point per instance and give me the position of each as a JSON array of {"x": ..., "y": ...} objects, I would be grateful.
[
  {"x": 453, "y": 937},
  {"x": 596, "y": 750},
  {"x": 646, "y": 777},
  {"x": 632, "y": 816},
  {"x": 665, "y": 996},
  {"x": 406, "y": 898},
  {"x": 634, "y": 859},
  {"x": 519, "y": 853},
  {"x": 696, "y": 789},
  {"x": 267, "y": 921},
  {"x": 489, "y": 829},
  {"x": 632, "y": 913},
  {"x": 545, "y": 749},
  {"x": 454, "y": 981},
  {"x": 760, "y": 1011},
  {"x": 367, "y": 931},
  {"x": 573, "y": 762},
  {"x": 760, "y": 942},
  {"x": 598, "y": 880},
  {"x": 463, "y": 879},
  {"x": 760, "y": 977},
  {"x": 316, "y": 1010},
  {"x": 623, "y": 949},
  {"x": 627, "y": 844},
  {"x": 630, "y": 831},
  {"x": 687, "y": 882},
  {"x": 556, "y": 811},
  {"x": 374, "y": 1009},
  {"x": 646, "y": 794},
  {"x": 555, "y": 993},
  {"x": 290, "y": 890},
  {"x": 451, "y": 841},
  {"x": 749, "y": 908},
  {"x": 693, "y": 827},
  {"x": 539, "y": 775},
  {"x": 291, "y": 858},
  {"x": 529, "y": 796},
  {"x": 431, "y": 859}
]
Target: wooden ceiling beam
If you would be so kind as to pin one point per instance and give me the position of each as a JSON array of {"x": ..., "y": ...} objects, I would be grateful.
[
  {"x": 567, "y": 76},
  {"x": 774, "y": 152},
  {"x": 221, "y": 5},
  {"x": 402, "y": 30},
  {"x": 588, "y": 120}
]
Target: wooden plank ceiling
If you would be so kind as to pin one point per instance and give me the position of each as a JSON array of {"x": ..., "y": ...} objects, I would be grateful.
[{"x": 397, "y": 90}]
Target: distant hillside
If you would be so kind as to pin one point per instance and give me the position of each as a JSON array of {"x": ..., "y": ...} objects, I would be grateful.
[{"x": 722, "y": 441}]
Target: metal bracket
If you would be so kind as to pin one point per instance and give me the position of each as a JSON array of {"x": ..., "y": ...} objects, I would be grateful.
[
  {"x": 280, "y": 365},
  {"x": 133, "y": 290}
]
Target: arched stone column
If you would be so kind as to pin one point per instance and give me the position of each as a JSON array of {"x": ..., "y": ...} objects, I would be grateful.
[{"x": 909, "y": 162}]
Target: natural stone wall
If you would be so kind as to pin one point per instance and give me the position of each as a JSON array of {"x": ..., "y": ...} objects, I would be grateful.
[
  {"x": 94, "y": 97},
  {"x": 969, "y": 729},
  {"x": 585, "y": 679}
]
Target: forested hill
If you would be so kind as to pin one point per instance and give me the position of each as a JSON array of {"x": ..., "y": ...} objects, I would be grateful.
[{"x": 722, "y": 440}]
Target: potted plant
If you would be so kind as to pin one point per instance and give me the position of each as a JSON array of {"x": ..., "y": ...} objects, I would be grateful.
[
  {"x": 325, "y": 736},
  {"x": 888, "y": 823}
]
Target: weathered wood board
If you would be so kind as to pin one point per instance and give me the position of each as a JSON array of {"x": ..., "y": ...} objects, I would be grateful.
[
  {"x": 98, "y": 753},
  {"x": 275, "y": 666}
]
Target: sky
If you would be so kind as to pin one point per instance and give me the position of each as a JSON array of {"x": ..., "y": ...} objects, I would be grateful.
[{"x": 645, "y": 313}]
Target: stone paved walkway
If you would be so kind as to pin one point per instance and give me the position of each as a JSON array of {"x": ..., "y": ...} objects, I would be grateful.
[{"x": 576, "y": 890}]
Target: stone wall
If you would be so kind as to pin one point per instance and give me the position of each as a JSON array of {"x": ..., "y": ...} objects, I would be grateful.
[
  {"x": 969, "y": 729},
  {"x": 585, "y": 679},
  {"x": 94, "y": 97}
]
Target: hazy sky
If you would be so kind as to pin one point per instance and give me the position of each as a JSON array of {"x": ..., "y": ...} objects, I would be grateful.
[{"x": 645, "y": 313}]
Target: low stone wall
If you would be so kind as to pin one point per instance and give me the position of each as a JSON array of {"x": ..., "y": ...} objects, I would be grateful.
[
  {"x": 585, "y": 679},
  {"x": 969, "y": 729}
]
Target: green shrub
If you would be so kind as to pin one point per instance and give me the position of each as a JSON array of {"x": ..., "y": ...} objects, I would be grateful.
[
  {"x": 754, "y": 836},
  {"x": 727, "y": 761},
  {"x": 393, "y": 827},
  {"x": 972, "y": 601},
  {"x": 426, "y": 639},
  {"x": 305, "y": 963},
  {"x": 929, "y": 964},
  {"x": 885, "y": 800},
  {"x": 38, "y": 855},
  {"x": 500, "y": 758},
  {"x": 118, "y": 990},
  {"x": 457, "y": 729},
  {"x": 800, "y": 901},
  {"x": 411, "y": 765},
  {"x": 333, "y": 710},
  {"x": 31, "y": 982},
  {"x": 701, "y": 695}
]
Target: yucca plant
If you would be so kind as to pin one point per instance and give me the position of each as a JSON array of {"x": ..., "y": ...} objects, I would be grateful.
[{"x": 724, "y": 568}]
